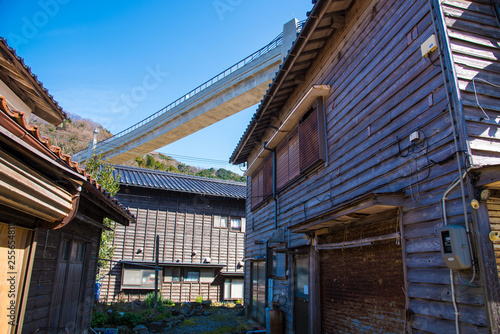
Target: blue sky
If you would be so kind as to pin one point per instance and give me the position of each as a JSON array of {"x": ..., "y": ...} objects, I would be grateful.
[{"x": 92, "y": 54}]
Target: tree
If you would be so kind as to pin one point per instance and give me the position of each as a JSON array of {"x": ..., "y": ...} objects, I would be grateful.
[{"x": 103, "y": 173}]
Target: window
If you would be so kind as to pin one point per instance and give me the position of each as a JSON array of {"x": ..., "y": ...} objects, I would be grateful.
[
  {"x": 236, "y": 224},
  {"x": 220, "y": 222},
  {"x": 233, "y": 289},
  {"x": 138, "y": 278},
  {"x": 278, "y": 265},
  {"x": 191, "y": 275},
  {"x": 176, "y": 274},
  {"x": 302, "y": 149}
]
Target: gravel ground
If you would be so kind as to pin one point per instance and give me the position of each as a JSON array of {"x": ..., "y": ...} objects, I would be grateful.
[{"x": 230, "y": 320}]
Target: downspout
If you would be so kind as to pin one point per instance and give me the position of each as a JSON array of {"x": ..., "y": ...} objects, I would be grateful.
[
  {"x": 459, "y": 134},
  {"x": 275, "y": 197}
]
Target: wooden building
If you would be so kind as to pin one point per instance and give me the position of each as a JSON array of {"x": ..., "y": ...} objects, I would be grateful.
[
  {"x": 201, "y": 227},
  {"x": 51, "y": 214},
  {"x": 376, "y": 143}
]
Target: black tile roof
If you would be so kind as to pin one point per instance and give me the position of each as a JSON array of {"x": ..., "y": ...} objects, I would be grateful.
[{"x": 148, "y": 178}]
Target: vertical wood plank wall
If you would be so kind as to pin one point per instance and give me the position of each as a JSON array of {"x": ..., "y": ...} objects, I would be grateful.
[
  {"x": 44, "y": 273},
  {"x": 184, "y": 223},
  {"x": 382, "y": 91}
]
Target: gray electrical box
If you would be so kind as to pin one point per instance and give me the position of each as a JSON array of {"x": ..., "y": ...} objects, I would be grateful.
[{"x": 455, "y": 247}]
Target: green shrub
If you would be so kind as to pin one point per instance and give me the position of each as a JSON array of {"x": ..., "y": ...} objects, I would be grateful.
[
  {"x": 150, "y": 299},
  {"x": 199, "y": 299},
  {"x": 168, "y": 302},
  {"x": 99, "y": 319},
  {"x": 131, "y": 320}
]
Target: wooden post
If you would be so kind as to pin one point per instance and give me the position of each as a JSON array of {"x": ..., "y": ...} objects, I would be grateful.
[
  {"x": 157, "y": 255},
  {"x": 314, "y": 291},
  {"x": 487, "y": 265}
]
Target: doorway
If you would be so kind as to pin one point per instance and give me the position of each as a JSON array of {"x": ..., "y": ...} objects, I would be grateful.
[{"x": 301, "y": 296}]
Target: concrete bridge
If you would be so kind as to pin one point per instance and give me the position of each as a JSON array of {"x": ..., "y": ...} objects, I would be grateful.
[{"x": 231, "y": 91}]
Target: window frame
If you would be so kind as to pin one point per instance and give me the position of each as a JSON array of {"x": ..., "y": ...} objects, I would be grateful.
[
  {"x": 142, "y": 286},
  {"x": 295, "y": 152},
  {"x": 219, "y": 218}
]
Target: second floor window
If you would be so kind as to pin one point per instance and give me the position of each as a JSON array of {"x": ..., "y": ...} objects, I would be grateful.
[{"x": 303, "y": 148}]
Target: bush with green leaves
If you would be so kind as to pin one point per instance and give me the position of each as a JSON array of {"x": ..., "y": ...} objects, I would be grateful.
[
  {"x": 131, "y": 320},
  {"x": 199, "y": 299},
  {"x": 150, "y": 299},
  {"x": 99, "y": 319}
]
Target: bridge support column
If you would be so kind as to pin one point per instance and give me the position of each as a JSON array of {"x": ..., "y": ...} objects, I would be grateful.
[{"x": 289, "y": 36}]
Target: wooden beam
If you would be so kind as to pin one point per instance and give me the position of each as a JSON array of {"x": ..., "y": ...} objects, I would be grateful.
[
  {"x": 487, "y": 266},
  {"x": 86, "y": 219},
  {"x": 359, "y": 241},
  {"x": 366, "y": 205},
  {"x": 315, "y": 292}
]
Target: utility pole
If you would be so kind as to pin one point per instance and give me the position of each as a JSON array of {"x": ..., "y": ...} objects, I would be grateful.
[{"x": 157, "y": 268}]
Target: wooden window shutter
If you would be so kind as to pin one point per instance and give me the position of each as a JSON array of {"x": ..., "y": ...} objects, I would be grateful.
[
  {"x": 267, "y": 171},
  {"x": 309, "y": 140},
  {"x": 257, "y": 188},
  {"x": 293, "y": 154},
  {"x": 282, "y": 163}
]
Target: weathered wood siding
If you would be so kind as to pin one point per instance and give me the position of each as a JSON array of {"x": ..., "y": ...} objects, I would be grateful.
[
  {"x": 494, "y": 215},
  {"x": 382, "y": 91},
  {"x": 474, "y": 36},
  {"x": 184, "y": 223},
  {"x": 42, "y": 287}
]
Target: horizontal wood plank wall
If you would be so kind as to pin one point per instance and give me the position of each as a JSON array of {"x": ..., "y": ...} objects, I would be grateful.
[
  {"x": 44, "y": 271},
  {"x": 382, "y": 91},
  {"x": 184, "y": 224},
  {"x": 494, "y": 214},
  {"x": 474, "y": 35}
]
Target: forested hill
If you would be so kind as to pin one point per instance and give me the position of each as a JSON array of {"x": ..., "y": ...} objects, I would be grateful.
[{"x": 75, "y": 134}]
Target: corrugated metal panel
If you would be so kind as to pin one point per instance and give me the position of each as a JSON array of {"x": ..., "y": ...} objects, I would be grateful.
[
  {"x": 23, "y": 189},
  {"x": 178, "y": 182}
]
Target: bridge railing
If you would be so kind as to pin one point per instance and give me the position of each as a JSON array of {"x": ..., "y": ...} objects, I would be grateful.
[{"x": 277, "y": 41}]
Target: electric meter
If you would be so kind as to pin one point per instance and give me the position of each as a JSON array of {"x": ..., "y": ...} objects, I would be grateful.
[{"x": 455, "y": 247}]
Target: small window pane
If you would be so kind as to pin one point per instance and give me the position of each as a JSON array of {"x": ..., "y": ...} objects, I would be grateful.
[
  {"x": 237, "y": 289},
  {"x": 236, "y": 224},
  {"x": 216, "y": 221},
  {"x": 223, "y": 221},
  {"x": 192, "y": 276},
  {"x": 176, "y": 274},
  {"x": 279, "y": 265},
  {"x": 227, "y": 289}
]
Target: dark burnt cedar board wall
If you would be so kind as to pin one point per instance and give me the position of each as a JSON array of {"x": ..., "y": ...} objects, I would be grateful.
[
  {"x": 383, "y": 90},
  {"x": 54, "y": 282},
  {"x": 184, "y": 222}
]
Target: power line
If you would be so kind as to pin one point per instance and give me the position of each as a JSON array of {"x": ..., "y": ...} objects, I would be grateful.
[{"x": 165, "y": 155}]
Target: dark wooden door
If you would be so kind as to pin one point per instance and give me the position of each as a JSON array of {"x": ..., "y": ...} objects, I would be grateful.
[
  {"x": 68, "y": 285},
  {"x": 301, "y": 300},
  {"x": 258, "y": 297}
]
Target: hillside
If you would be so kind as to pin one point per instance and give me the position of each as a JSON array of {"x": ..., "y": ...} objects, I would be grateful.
[{"x": 76, "y": 133}]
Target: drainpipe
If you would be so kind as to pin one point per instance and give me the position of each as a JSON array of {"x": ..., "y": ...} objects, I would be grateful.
[{"x": 275, "y": 197}]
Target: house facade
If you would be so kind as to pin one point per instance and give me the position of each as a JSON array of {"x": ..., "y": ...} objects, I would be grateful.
[
  {"x": 374, "y": 172},
  {"x": 51, "y": 214},
  {"x": 200, "y": 224}
]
